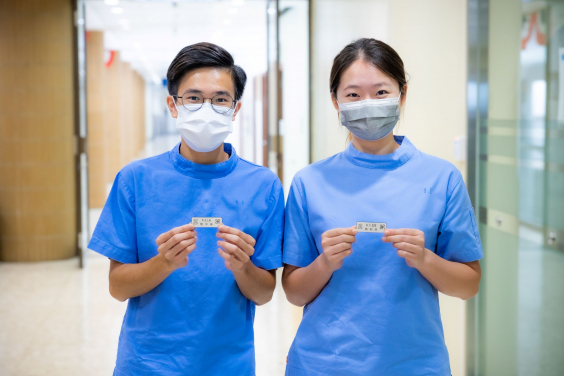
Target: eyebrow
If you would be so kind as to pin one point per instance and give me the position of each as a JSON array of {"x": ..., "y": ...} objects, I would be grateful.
[
  {"x": 375, "y": 85},
  {"x": 196, "y": 91}
]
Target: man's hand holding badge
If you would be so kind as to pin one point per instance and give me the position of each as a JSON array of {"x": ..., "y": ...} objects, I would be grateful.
[
  {"x": 175, "y": 245},
  {"x": 238, "y": 247}
]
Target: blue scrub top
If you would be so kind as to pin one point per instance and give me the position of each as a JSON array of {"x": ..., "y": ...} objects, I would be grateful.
[
  {"x": 377, "y": 315},
  {"x": 196, "y": 322}
]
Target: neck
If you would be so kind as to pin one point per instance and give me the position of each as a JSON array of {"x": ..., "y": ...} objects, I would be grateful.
[
  {"x": 386, "y": 145},
  {"x": 210, "y": 157}
]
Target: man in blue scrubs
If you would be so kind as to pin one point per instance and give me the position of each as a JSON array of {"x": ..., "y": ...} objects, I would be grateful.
[{"x": 194, "y": 235}]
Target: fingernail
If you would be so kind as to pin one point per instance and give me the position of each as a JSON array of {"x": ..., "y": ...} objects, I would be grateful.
[{"x": 387, "y": 232}]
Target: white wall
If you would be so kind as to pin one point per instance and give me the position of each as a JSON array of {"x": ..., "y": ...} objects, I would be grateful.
[
  {"x": 431, "y": 38},
  {"x": 294, "y": 64},
  {"x": 336, "y": 23}
]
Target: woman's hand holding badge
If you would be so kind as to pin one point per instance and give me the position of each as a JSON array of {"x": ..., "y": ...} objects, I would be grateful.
[
  {"x": 460, "y": 279},
  {"x": 303, "y": 285},
  {"x": 409, "y": 243},
  {"x": 337, "y": 244},
  {"x": 238, "y": 247}
]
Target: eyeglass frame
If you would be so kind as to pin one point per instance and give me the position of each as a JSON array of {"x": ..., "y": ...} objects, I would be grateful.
[{"x": 210, "y": 102}]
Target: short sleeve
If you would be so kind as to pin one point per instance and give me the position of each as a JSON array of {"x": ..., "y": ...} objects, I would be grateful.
[
  {"x": 299, "y": 246},
  {"x": 115, "y": 234},
  {"x": 458, "y": 238},
  {"x": 268, "y": 248}
]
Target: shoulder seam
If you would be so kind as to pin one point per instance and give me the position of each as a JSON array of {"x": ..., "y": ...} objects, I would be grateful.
[{"x": 126, "y": 188}]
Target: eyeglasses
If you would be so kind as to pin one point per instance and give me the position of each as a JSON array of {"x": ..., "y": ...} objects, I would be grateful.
[{"x": 220, "y": 103}]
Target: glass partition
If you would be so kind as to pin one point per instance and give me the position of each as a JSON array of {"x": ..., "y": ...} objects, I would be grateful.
[{"x": 519, "y": 186}]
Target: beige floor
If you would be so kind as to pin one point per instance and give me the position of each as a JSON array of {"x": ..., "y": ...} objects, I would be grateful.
[{"x": 56, "y": 319}]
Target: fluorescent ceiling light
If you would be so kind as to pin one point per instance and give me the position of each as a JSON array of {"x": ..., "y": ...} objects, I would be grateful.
[{"x": 117, "y": 10}]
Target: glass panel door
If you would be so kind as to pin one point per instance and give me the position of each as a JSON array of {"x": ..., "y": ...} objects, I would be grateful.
[{"x": 520, "y": 175}]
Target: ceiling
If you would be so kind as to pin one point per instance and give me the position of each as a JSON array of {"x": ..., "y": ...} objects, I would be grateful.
[{"x": 149, "y": 34}]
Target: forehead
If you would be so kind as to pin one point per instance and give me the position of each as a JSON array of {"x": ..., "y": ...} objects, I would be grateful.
[
  {"x": 363, "y": 73},
  {"x": 208, "y": 81}
]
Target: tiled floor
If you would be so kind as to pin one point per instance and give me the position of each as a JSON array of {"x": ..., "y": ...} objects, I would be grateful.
[{"x": 56, "y": 319}]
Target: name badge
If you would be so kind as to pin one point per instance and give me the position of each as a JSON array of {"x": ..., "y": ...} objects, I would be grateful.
[
  {"x": 371, "y": 226},
  {"x": 206, "y": 221}
]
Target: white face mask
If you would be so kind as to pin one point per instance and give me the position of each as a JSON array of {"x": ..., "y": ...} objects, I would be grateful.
[{"x": 203, "y": 130}]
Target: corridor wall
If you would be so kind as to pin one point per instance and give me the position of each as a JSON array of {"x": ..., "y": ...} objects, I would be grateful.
[
  {"x": 37, "y": 145},
  {"x": 116, "y": 116}
]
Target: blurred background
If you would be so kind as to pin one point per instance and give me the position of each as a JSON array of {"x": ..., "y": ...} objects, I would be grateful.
[{"x": 82, "y": 93}]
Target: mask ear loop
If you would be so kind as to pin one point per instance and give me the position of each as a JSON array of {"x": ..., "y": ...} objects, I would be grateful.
[
  {"x": 174, "y": 102},
  {"x": 399, "y": 118}
]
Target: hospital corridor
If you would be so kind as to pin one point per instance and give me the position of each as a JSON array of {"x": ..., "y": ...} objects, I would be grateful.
[{"x": 395, "y": 167}]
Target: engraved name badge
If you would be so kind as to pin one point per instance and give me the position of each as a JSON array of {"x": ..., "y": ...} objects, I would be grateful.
[
  {"x": 371, "y": 226},
  {"x": 206, "y": 221}
]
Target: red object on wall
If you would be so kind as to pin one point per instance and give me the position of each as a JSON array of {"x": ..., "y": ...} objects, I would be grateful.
[
  {"x": 534, "y": 24},
  {"x": 110, "y": 58}
]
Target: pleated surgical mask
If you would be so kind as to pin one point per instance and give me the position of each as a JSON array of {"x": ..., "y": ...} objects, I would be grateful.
[
  {"x": 203, "y": 129},
  {"x": 370, "y": 119}
]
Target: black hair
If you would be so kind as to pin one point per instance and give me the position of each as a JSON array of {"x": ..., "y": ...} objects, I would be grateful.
[
  {"x": 376, "y": 52},
  {"x": 204, "y": 55}
]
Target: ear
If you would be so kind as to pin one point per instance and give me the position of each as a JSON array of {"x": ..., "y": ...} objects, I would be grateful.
[
  {"x": 171, "y": 106},
  {"x": 237, "y": 108},
  {"x": 403, "y": 95},
  {"x": 335, "y": 103}
]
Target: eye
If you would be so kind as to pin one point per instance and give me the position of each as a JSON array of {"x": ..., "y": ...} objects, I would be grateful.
[
  {"x": 381, "y": 92},
  {"x": 353, "y": 95},
  {"x": 221, "y": 100}
]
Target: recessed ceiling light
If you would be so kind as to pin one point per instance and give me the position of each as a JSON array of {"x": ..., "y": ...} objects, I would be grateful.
[
  {"x": 112, "y": 2},
  {"x": 233, "y": 10},
  {"x": 227, "y": 22},
  {"x": 117, "y": 10},
  {"x": 271, "y": 11}
]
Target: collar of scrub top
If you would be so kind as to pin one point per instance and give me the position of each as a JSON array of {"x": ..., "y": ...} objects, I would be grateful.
[
  {"x": 204, "y": 171},
  {"x": 387, "y": 161}
]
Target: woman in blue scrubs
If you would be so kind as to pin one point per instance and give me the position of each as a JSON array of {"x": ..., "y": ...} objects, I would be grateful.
[
  {"x": 370, "y": 291},
  {"x": 192, "y": 296}
]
